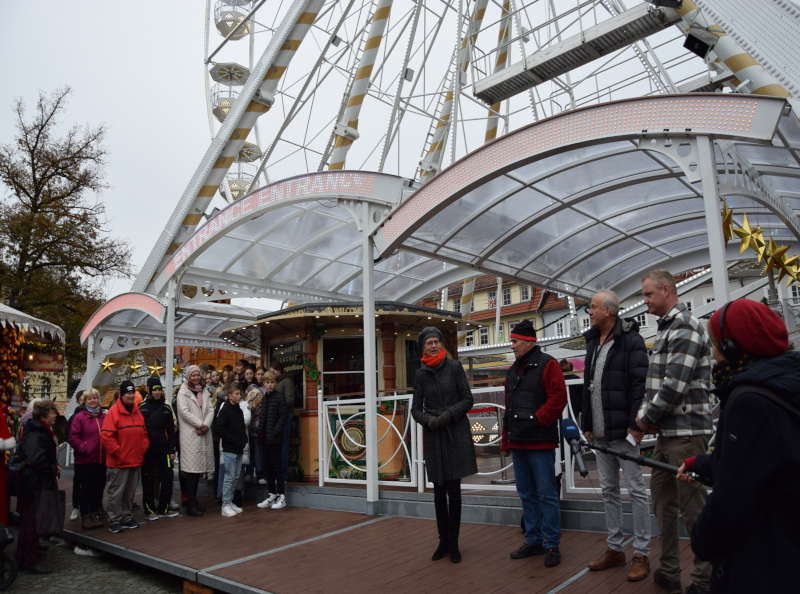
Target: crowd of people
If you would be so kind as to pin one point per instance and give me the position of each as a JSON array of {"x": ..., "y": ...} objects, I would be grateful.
[
  {"x": 743, "y": 534},
  {"x": 234, "y": 426},
  {"x": 231, "y": 426}
]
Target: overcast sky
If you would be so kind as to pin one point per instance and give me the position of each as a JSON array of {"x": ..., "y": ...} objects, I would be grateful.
[{"x": 137, "y": 67}]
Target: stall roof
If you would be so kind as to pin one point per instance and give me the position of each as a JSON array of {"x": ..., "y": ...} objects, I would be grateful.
[{"x": 33, "y": 327}]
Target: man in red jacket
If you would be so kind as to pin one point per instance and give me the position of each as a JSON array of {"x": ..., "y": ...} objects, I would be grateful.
[
  {"x": 125, "y": 439},
  {"x": 535, "y": 397}
]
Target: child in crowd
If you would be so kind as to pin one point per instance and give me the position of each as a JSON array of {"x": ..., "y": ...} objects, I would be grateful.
[
  {"x": 272, "y": 420},
  {"x": 232, "y": 432}
]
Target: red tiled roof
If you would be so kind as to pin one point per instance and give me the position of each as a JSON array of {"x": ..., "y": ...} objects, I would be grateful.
[
  {"x": 508, "y": 310},
  {"x": 551, "y": 301}
]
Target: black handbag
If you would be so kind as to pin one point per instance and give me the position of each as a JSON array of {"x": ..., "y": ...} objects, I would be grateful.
[{"x": 50, "y": 509}]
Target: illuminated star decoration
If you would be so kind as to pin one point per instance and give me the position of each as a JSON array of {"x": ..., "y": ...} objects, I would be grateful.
[
  {"x": 727, "y": 222},
  {"x": 154, "y": 369},
  {"x": 776, "y": 256},
  {"x": 108, "y": 365},
  {"x": 135, "y": 367}
]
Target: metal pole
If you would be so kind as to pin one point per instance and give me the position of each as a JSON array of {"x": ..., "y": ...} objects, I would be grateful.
[
  {"x": 716, "y": 242},
  {"x": 445, "y": 298},
  {"x": 503, "y": 480},
  {"x": 370, "y": 365},
  {"x": 773, "y": 293},
  {"x": 457, "y": 88},
  {"x": 169, "y": 359},
  {"x": 497, "y": 313},
  {"x": 322, "y": 441}
]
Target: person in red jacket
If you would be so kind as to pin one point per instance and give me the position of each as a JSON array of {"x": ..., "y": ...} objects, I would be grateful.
[
  {"x": 124, "y": 436},
  {"x": 535, "y": 397}
]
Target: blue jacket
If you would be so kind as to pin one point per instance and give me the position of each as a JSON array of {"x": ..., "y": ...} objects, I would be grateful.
[{"x": 750, "y": 526}]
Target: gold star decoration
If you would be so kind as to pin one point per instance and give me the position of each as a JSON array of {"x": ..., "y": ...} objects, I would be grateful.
[
  {"x": 154, "y": 369},
  {"x": 758, "y": 244},
  {"x": 176, "y": 370},
  {"x": 135, "y": 367},
  {"x": 108, "y": 365},
  {"x": 789, "y": 268},
  {"x": 745, "y": 234},
  {"x": 727, "y": 222},
  {"x": 776, "y": 255}
]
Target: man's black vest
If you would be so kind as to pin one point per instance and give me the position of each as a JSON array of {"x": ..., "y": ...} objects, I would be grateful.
[{"x": 525, "y": 396}]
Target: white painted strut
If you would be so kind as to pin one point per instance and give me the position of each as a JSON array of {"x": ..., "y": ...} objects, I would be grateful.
[{"x": 347, "y": 129}]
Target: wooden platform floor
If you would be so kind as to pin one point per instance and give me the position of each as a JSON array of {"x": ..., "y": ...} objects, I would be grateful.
[{"x": 301, "y": 550}]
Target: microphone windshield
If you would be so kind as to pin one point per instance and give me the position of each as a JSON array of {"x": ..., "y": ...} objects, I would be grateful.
[{"x": 570, "y": 430}]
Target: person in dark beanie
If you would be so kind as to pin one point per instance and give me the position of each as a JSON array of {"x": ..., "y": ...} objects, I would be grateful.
[
  {"x": 125, "y": 438},
  {"x": 442, "y": 399},
  {"x": 535, "y": 397},
  {"x": 160, "y": 456},
  {"x": 748, "y": 528}
]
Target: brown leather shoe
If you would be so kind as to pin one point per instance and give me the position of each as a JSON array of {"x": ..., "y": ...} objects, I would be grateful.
[
  {"x": 610, "y": 558},
  {"x": 640, "y": 567}
]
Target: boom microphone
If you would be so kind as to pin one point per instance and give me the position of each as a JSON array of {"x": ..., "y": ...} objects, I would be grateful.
[
  {"x": 642, "y": 461},
  {"x": 572, "y": 435}
]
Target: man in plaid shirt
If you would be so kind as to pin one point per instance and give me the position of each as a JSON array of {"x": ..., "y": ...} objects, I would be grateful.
[{"x": 677, "y": 406}]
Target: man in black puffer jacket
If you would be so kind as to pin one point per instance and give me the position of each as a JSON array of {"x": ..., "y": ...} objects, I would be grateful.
[
  {"x": 613, "y": 388},
  {"x": 271, "y": 424},
  {"x": 160, "y": 455},
  {"x": 749, "y": 526}
]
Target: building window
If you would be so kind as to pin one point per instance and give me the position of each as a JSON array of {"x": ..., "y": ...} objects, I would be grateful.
[
  {"x": 457, "y": 305},
  {"x": 524, "y": 293},
  {"x": 641, "y": 319},
  {"x": 472, "y": 306},
  {"x": 511, "y": 326},
  {"x": 46, "y": 385},
  {"x": 507, "y": 296},
  {"x": 559, "y": 328},
  {"x": 689, "y": 303},
  {"x": 585, "y": 324},
  {"x": 470, "y": 338},
  {"x": 483, "y": 335},
  {"x": 795, "y": 292},
  {"x": 492, "y": 301},
  {"x": 708, "y": 299},
  {"x": 501, "y": 335}
]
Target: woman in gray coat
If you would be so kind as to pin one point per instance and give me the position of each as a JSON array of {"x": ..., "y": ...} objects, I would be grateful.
[{"x": 442, "y": 399}]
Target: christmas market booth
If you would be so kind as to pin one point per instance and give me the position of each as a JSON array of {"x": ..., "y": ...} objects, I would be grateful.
[{"x": 321, "y": 347}]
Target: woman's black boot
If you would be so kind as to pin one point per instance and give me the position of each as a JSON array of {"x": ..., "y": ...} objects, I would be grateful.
[
  {"x": 440, "y": 505},
  {"x": 454, "y": 521}
]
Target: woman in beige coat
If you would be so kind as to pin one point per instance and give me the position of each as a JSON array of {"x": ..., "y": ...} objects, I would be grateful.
[{"x": 195, "y": 413}]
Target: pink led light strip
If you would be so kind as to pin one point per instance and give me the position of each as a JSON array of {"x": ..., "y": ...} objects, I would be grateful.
[
  {"x": 725, "y": 114},
  {"x": 143, "y": 303}
]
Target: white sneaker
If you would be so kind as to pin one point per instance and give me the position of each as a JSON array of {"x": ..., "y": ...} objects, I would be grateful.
[
  {"x": 227, "y": 512},
  {"x": 76, "y": 513},
  {"x": 280, "y": 502},
  {"x": 236, "y": 508},
  {"x": 262, "y": 481},
  {"x": 87, "y": 552},
  {"x": 268, "y": 501},
  {"x": 174, "y": 506}
]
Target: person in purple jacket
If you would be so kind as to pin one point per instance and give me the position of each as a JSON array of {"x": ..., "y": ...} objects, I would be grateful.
[{"x": 90, "y": 457}]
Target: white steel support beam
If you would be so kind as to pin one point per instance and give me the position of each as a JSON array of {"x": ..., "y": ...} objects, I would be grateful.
[
  {"x": 254, "y": 100},
  {"x": 716, "y": 241},
  {"x": 370, "y": 363},
  {"x": 170, "y": 323},
  {"x": 346, "y": 129}
]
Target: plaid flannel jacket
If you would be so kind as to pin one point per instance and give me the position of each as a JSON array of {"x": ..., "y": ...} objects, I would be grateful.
[{"x": 679, "y": 377}]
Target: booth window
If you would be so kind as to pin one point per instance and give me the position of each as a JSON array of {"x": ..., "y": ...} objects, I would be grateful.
[{"x": 343, "y": 365}]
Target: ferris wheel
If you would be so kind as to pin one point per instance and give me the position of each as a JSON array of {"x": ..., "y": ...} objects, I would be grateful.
[{"x": 408, "y": 87}]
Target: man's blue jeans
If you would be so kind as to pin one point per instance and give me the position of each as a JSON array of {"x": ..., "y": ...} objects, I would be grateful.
[
  {"x": 233, "y": 466},
  {"x": 536, "y": 484}
]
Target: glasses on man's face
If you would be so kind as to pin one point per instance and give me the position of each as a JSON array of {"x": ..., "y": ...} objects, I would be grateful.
[{"x": 431, "y": 343}]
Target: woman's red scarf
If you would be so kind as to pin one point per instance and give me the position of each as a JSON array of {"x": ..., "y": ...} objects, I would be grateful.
[{"x": 435, "y": 360}]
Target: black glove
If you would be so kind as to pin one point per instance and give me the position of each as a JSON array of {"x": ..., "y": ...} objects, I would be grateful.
[
  {"x": 445, "y": 418},
  {"x": 432, "y": 423}
]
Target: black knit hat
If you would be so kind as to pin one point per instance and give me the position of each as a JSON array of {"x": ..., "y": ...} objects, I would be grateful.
[
  {"x": 524, "y": 331},
  {"x": 125, "y": 387},
  {"x": 154, "y": 383},
  {"x": 427, "y": 333}
]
